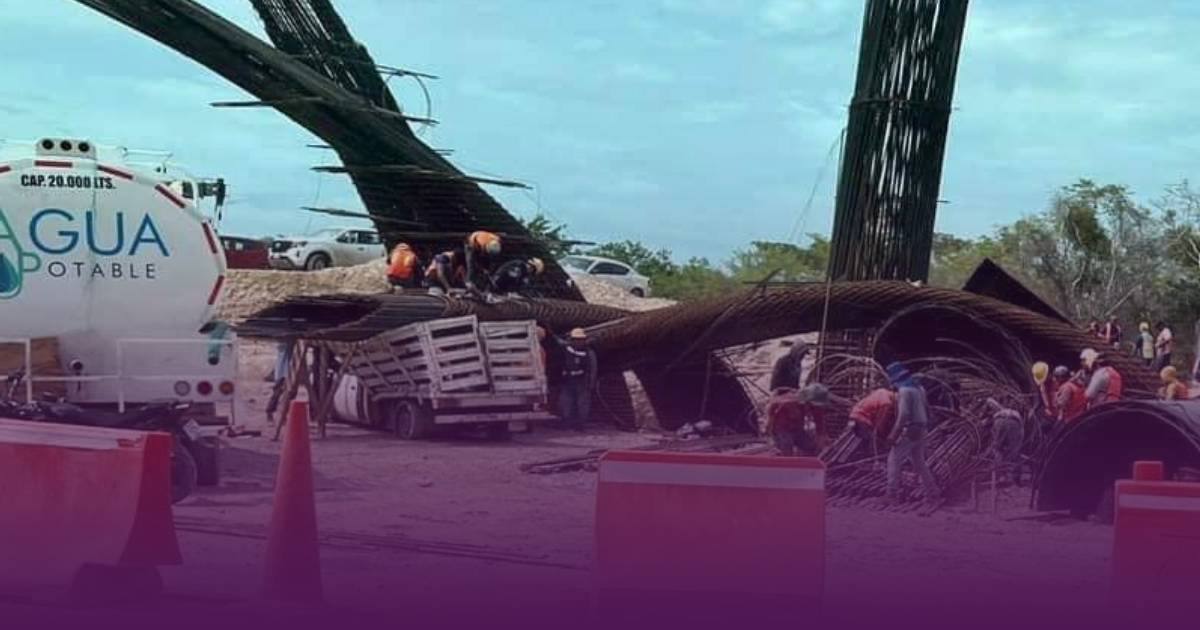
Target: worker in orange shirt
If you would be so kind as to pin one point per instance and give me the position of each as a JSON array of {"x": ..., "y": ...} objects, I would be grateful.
[
  {"x": 403, "y": 268},
  {"x": 795, "y": 419},
  {"x": 871, "y": 418},
  {"x": 1069, "y": 399},
  {"x": 1173, "y": 388},
  {"x": 480, "y": 250}
]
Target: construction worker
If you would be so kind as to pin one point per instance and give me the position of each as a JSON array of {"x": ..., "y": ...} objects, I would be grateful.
[
  {"x": 1144, "y": 346},
  {"x": 1111, "y": 332},
  {"x": 1106, "y": 383},
  {"x": 788, "y": 368},
  {"x": 1070, "y": 401},
  {"x": 445, "y": 272},
  {"x": 480, "y": 250},
  {"x": 794, "y": 419},
  {"x": 517, "y": 275},
  {"x": 579, "y": 372},
  {"x": 404, "y": 268},
  {"x": 908, "y": 435},
  {"x": 1164, "y": 345},
  {"x": 1173, "y": 388},
  {"x": 1008, "y": 433},
  {"x": 1046, "y": 387},
  {"x": 871, "y": 418}
]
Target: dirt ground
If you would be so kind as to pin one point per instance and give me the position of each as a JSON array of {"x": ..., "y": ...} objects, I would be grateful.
[{"x": 458, "y": 510}]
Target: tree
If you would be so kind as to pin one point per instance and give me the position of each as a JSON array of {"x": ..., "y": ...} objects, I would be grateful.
[
  {"x": 552, "y": 235},
  {"x": 793, "y": 263},
  {"x": 649, "y": 263},
  {"x": 695, "y": 279}
]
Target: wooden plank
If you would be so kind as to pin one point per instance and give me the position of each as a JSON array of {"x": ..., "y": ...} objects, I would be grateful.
[
  {"x": 464, "y": 383},
  {"x": 526, "y": 371}
]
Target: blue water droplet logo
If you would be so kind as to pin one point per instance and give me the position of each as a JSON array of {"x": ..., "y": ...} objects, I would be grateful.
[{"x": 10, "y": 276}]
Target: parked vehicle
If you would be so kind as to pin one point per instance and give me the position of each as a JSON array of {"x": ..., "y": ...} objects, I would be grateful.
[
  {"x": 110, "y": 260},
  {"x": 608, "y": 270},
  {"x": 335, "y": 247},
  {"x": 245, "y": 253},
  {"x": 454, "y": 371}
]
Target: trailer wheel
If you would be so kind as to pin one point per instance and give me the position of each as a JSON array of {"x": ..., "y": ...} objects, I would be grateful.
[
  {"x": 411, "y": 421},
  {"x": 183, "y": 472}
]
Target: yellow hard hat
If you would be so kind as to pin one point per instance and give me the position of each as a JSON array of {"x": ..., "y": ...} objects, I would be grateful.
[
  {"x": 1040, "y": 371},
  {"x": 538, "y": 265}
]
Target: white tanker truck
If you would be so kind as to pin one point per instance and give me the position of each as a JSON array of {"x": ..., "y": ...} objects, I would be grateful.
[{"x": 116, "y": 264}]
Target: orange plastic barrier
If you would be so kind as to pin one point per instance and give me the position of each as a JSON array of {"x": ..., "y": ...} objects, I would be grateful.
[
  {"x": 72, "y": 496},
  {"x": 708, "y": 534},
  {"x": 1156, "y": 539}
]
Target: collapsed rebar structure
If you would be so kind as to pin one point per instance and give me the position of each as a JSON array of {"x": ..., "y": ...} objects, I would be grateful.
[
  {"x": 895, "y": 142},
  {"x": 324, "y": 80}
]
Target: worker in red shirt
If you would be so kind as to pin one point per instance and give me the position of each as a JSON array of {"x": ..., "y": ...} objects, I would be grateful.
[
  {"x": 795, "y": 419},
  {"x": 1173, "y": 388},
  {"x": 872, "y": 417},
  {"x": 481, "y": 249},
  {"x": 403, "y": 268},
  {"x": 1069, "y": 399},
  {"x": 1106, "y": 384}
]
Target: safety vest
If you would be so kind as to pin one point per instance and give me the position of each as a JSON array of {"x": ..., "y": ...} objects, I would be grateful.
[
  {"x": 577, "y": 363},
  {"x": 480, "y": 240},
  {"x": 403, "y": 263},
  {"x": 1076, "y": 402}
]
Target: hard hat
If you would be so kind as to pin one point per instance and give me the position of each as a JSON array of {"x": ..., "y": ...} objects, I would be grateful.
[
  {"x": 897, "y": 373},
  {"x": 493, "y": 246},
  {"x": 1168, "y": 374},
  {"x": 403, "y": 246},
  {"x": 1040, "y": 372},
  {"x": 538, "y": 265},
  {"x": 1062, "y": 372},
  {"x": 1144, "y": 326},
  {"x": 578, "y": 333},
  {"x": 1088, "y": 356},
  {"x": 815, "y": 394}
]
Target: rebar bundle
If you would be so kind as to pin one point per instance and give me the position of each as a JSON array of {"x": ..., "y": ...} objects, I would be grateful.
[{"x": 895, "y": 142}]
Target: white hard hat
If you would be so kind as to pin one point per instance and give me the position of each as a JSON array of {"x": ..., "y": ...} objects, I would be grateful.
[
  {"x": 1088, "y": 356},
  {"x": 538, "y": 265},
  {"x": 493, "y": 247}
]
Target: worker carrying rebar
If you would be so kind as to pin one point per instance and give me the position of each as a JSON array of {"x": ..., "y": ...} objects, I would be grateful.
[
  {"x": 788, "y": 368},
  {"x": 404, "y": 268},
  {"x": 1070, "y": 399},
  {"x": 445, "y": 272},
  {"x": 1008, "y": 434},
  {"x": 517, "y": 276},
  {"x": 480, "y": 250},
  {"x": 1173, "y": 388},
  {"x": 795, "y": 419},
  {"x": 872, "y": 417},
  {"x": 579, "y": 373},
  {"x": 1106, "y": 384},
  {"x": 909, "y": 435}
]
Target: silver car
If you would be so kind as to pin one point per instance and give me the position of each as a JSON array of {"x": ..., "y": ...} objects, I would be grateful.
[
  {"x": 607, "y": 270},
  {"x": 335, "y": 247}
]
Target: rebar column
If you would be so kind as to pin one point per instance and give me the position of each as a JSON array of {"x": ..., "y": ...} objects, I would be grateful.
[{"x": 895, "y": 142}]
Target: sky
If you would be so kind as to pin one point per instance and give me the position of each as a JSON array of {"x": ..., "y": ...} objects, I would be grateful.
[{"x": 693, "y": 125}]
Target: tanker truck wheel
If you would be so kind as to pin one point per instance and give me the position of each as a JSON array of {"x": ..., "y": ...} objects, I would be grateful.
[
  {"x": 184, "y": 473},
  {"x": 317, "y": 262},
  {"x": 411, "y": 421}
]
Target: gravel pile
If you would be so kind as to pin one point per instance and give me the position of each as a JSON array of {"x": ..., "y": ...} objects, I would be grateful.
[{"x": 248, "y": 291}]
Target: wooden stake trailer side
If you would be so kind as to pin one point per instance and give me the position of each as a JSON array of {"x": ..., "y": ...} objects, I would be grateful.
[{"x": 450, "y": 371}]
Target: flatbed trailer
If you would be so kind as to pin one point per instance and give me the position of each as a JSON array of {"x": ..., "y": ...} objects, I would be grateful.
[{"x": 453, "y": 371}]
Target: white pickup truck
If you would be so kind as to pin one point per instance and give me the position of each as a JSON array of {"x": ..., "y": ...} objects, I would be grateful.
[{"x": 114, "y": 263}]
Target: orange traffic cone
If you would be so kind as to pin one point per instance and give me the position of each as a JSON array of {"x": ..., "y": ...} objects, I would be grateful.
[{"x": 293, "y": 565}]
